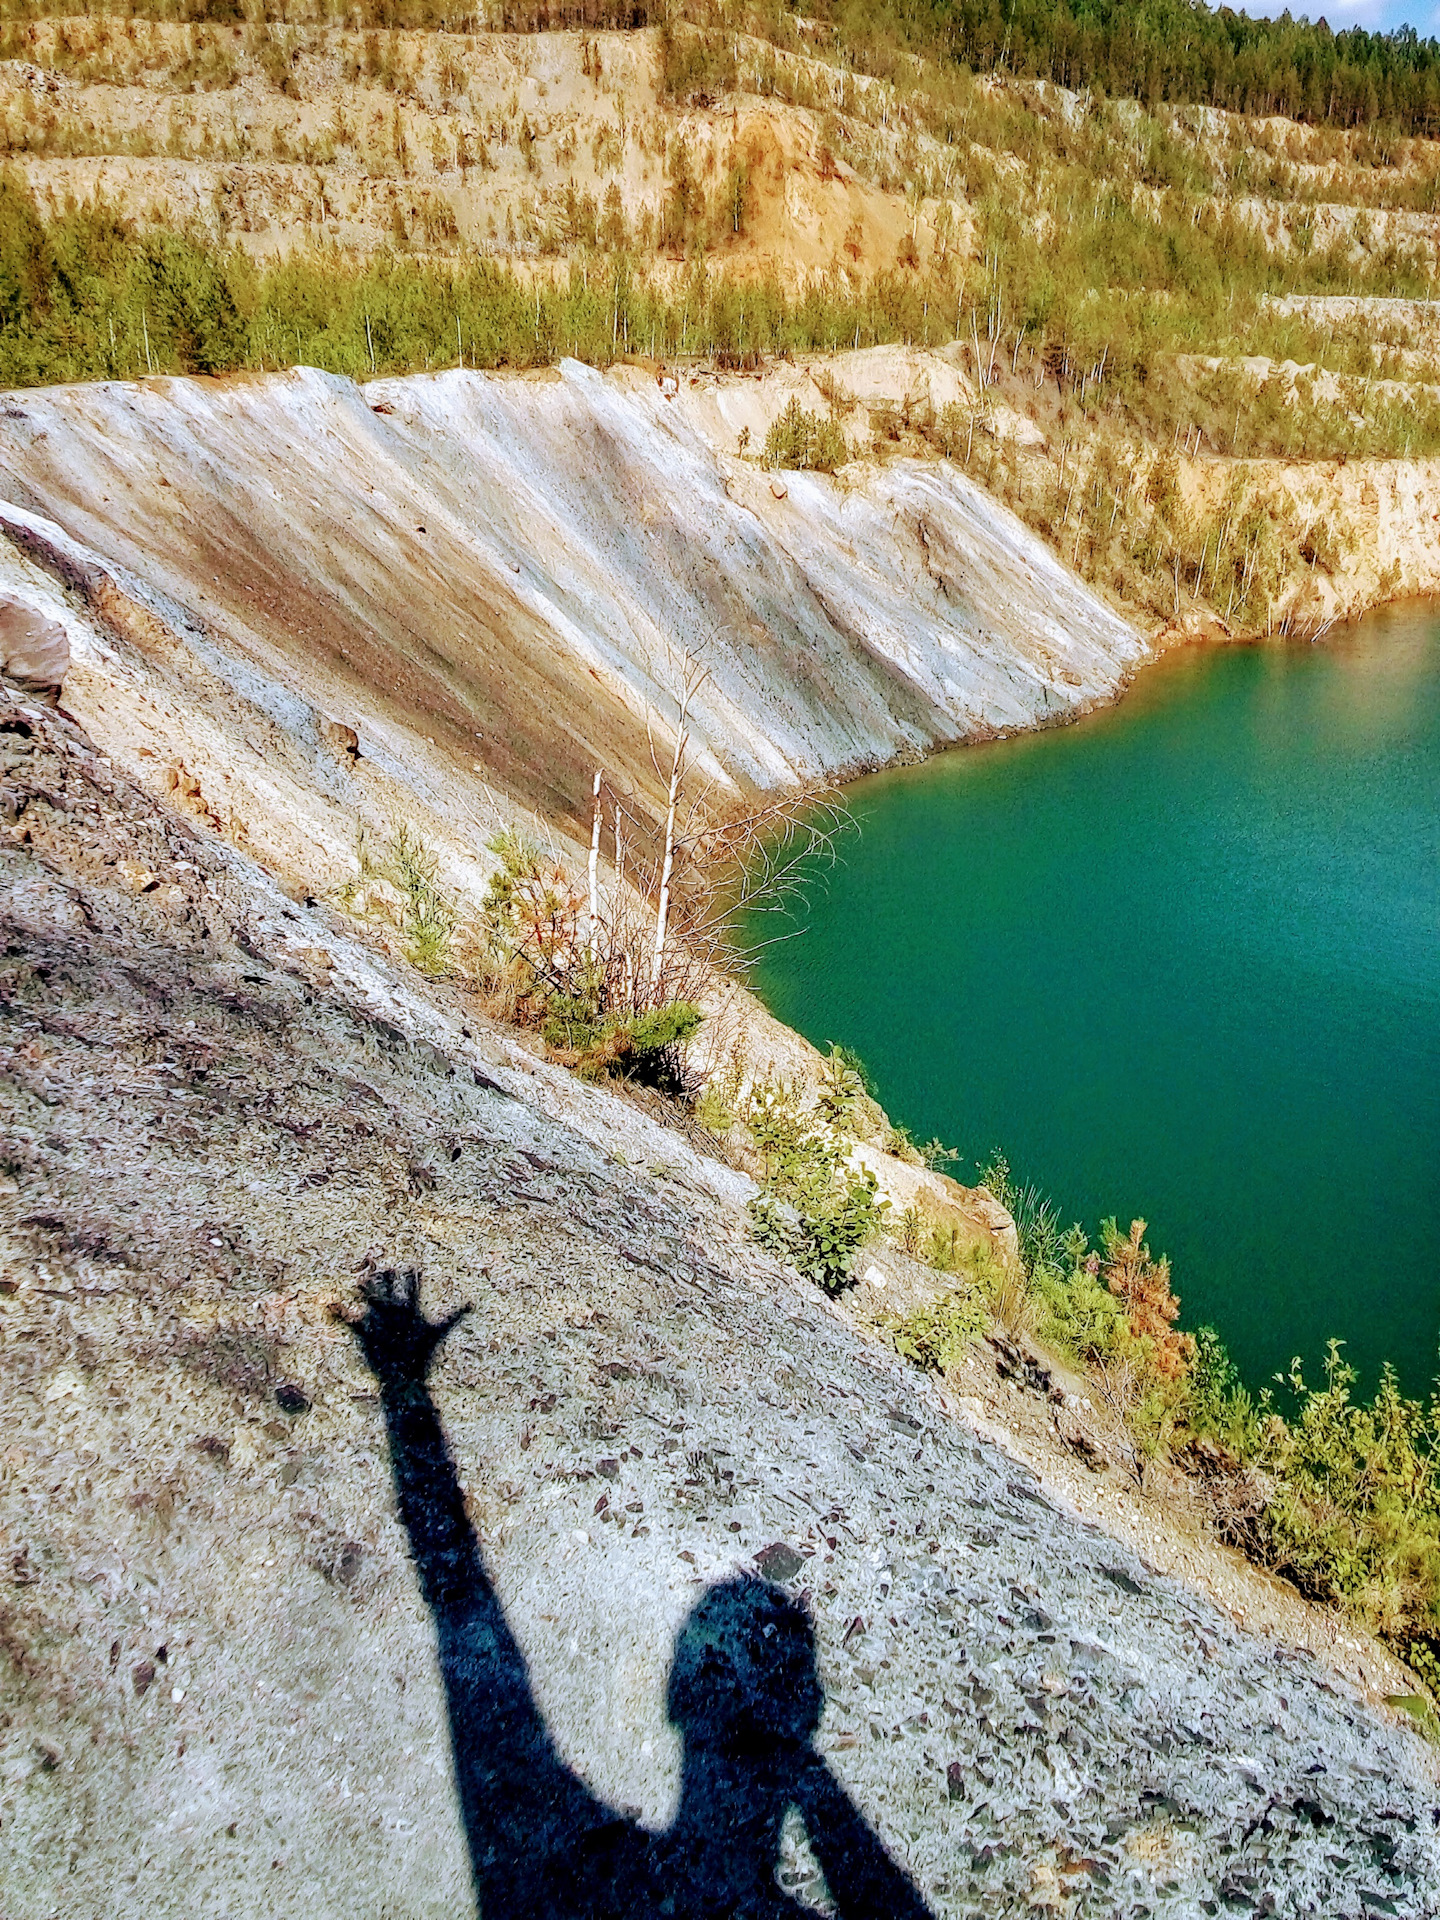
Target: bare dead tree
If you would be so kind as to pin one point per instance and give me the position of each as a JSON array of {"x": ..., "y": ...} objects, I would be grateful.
[
  {"x": 716, "y": 869},
  {"x": 595, "y": 868},
  {"x": 759, "y": 860},
  {"x": 692, "y": 677},
  {"x": 675, "y": 919}
]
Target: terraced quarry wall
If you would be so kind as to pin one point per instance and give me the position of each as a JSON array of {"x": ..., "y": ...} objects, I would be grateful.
[
  {"x": 532, "y": 146},
  {"x": 442, "y": 143},
  {"x": 1117, "y": 291}
]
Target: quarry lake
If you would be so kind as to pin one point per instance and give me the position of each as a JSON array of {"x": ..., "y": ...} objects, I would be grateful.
[{"x": 1181, "y": 960}]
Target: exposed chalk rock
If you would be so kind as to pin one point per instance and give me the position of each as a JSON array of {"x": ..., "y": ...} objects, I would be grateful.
[
  {"x": 579, "y": 530},
  {"x": 34, "y": 649},
  {"x": 341, "y": 739},
  {"x": 221, "y": 1690}
]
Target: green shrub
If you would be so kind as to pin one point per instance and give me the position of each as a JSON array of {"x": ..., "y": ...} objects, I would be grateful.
[
  {"x": 937, "y": 1337},
  {"x": 805, "y": 442},
  {"x": 933, "y": 1154},
  {"x": 847, "y": 1057},
  {"x": 719, "y": 1098},
  {"x": 815, "y": 1208},
  {"x": 663, "y": 1027},
  {"x": 647, "y": 1047},
  {"x": 714, "y": 1110},
  {"x": 428, "y": 912},
  {"x": 1079, "y": 1316},
  {"x": 843, "y": 1086},
  {"x": 530, "y": 915},
  {"x": 654, "y": 1044},
  {"x": 1354, "y": 1514},
  {"x": 1217, "y": 1405},
  {"x": 821, "y": 1234},
  {"x": 1037, "y": 1219},
  {"x": 908, "y": 1231},
  {"x": 570, "y": 1024},
  {"x": 947, "y": 1250},
  {"x": 402, "y": 886},
  {"x": 898, "y": 1141}
]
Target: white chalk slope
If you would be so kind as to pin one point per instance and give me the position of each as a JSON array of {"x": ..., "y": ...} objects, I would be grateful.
[{"x": 511, "y": 566}]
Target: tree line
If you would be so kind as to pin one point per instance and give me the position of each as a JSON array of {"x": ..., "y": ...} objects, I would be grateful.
[
  {"x": 88, "y": 294},
  {"x": 1177, "y": 51},
  {"x": 91, "y": 295},
  {"x": 1172, "y": 51}
]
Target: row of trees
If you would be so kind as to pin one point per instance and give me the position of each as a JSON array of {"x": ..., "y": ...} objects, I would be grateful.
[
  {"x": 89, "y": 294},
  {"x": 1171, "y": 50},
  {"x": 1157, "y": 50}
]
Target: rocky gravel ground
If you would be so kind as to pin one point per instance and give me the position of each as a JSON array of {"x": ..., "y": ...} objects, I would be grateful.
[{"x": 218, "y": 1690}]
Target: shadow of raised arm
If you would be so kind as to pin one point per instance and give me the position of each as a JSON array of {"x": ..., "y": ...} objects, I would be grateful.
[
  {"x": 528, "y": 1818},
  {"x": 864, "y": 1882},
  {"x": 744, "y": 1694}
]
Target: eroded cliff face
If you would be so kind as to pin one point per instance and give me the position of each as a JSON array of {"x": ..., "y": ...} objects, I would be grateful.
[
  {"x": 497, "y": 581},
  {"x": 501, "y": 583},
  {"x": 1381, "y": 517},
  {"x": 219, "y": 1685}
]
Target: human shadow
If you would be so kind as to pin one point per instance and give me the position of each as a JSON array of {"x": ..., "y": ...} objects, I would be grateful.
[{"x": 744, "y": 1693}]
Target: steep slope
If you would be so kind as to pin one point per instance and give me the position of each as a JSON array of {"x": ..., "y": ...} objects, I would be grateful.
[
  {"x": 514, "y": 571},
  {"x": 218, "y": 1683},
  {"x": 1134, "y": 283}
]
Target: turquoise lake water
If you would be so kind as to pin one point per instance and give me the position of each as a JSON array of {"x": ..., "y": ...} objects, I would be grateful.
[{"x": 1182, "y": 961}]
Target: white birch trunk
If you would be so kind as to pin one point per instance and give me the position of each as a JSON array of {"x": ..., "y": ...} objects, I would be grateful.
[
  {"x": 595, "y": 872},
  {"x": 662, "y": 911}
]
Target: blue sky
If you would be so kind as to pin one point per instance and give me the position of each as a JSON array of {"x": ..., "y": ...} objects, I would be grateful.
[{"x": 1378, "y": 15}]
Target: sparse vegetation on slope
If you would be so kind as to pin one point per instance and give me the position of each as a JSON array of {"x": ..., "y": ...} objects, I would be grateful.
[
  {"x": 212, "y": 1141},
  {"x": 1143, "y": 296},
  {"x": 1339, "y": 1495},
  {"x": 805, "y": 442}
]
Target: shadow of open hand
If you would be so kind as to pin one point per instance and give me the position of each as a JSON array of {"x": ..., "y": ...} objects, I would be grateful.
[{"x": 399, "y": 1342}]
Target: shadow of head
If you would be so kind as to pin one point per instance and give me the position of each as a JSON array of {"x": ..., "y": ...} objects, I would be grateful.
[{"x": 744, "y": 1676}]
